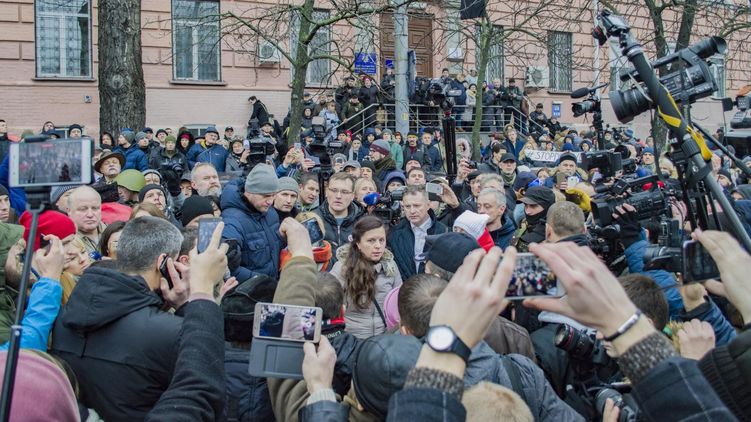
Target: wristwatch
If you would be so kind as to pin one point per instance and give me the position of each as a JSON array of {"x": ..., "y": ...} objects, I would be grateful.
[{"x": 443, "y": 339}]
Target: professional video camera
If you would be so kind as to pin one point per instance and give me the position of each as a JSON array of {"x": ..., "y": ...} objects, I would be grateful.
[
  {"x": 387, "y": 206},
  {"x": 667, "y": 254},
  {"x": 260, "y": 147},
  {"x": 739, "y": 138},
  {"x": 434, "y": 92},
  {"x": 690, "y": 80},
  {"x": 643, "y": 193}
]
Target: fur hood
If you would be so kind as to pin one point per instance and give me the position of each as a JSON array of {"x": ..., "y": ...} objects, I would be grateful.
[{"x": 387, "y": 265}]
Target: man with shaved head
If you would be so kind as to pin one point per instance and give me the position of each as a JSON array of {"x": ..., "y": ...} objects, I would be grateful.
[{"x": 85, "y": 209}]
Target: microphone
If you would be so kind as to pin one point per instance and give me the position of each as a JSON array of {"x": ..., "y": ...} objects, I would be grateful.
[
  {"x": 372, "y": 198},
  {"x": 584, "y": 91}
]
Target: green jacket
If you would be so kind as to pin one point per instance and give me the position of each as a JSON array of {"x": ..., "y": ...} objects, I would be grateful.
[
  {"x": 297, "y": 287},
  {"x": 9, "y": 235},
  {"x": 396, "y": 154}
]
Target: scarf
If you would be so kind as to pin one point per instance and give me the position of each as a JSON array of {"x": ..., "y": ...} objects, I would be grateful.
[{"x": 508, "y": 179}]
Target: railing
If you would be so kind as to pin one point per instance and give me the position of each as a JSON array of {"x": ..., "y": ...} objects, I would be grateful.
[{"x": 494, "y": 118}]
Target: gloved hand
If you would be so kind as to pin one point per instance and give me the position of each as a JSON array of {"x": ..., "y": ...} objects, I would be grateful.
[
  {"x": 172, "y": 180},
  {"x": 234, "y": 259},
  {"x": 625, "y": 215}
]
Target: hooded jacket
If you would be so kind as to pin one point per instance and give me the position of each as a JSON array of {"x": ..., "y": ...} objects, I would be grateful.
[
  {"x": 134, "y": 158},
  {"x": 215, "y": 154},
  {"x": 502, "y": 236},
  {"x": 257, "y": 233},
  {"x": 338, "y": 233},
  {"x": 486, "y": 365},
  {"x": 401, "y": 242},
  {"x": 120, "y": 344},
  {"x": 364, "y": 323},
  {"x": 160, "y": 159}
]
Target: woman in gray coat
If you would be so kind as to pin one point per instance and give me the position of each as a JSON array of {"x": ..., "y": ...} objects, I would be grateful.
[{"x": 368, "y": 272}]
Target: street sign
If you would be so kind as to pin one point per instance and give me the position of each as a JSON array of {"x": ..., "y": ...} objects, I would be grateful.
[
  {"x": 366, "y": 63},
  {"x": 556, "y": 110},
  {"x": 389, "y": 63}
]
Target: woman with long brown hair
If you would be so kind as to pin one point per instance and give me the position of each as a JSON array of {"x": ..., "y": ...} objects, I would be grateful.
[{"x": 368, "y": 272}]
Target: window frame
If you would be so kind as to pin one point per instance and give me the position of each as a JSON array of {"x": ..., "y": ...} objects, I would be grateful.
[
  {"x": 295, "y": 36},
  {"x": 37, "y": 74},
  {"x": 501, "y": 58},
  {"x": 195, "y": 38},
  {"x": 551, "y": 45}
]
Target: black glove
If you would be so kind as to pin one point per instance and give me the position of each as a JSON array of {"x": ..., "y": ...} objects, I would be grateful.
[
  {"x": 172, "y": 180},
  {"x": 234, "y": 259},
  {"x": 630, "y": 226}
]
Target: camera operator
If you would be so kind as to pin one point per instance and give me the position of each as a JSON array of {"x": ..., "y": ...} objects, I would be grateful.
[
  {"x": 170, "y": 157},
  {"x": 258, "y": 115},
  {"x": 237, "y": 160}
]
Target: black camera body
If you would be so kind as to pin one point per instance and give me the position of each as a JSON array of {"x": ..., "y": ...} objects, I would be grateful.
[
  {"x": 388, "y": 208},
  {"x": 667, "y": 254}
]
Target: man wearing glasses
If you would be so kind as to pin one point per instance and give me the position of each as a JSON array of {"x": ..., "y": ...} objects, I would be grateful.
[{"x": 339, "y": 211}]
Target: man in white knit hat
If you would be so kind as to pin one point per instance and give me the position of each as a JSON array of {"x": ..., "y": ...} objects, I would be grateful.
[{"x": 475, "y": 225}]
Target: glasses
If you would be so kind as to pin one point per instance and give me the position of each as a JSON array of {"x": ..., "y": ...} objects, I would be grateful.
[{"x": 341, "y": 191}]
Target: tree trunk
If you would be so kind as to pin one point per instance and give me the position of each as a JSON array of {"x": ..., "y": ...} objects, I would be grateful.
[
  {"x": 687, "y": 24},
  {"x": 301, "y": 70},
  {"x": 122, "y": 92},
  {"x": 486, "y": 33}
]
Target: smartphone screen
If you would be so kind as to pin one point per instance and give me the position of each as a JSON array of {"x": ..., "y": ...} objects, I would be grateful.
[
  {"x": 206, "y": 227},
  {"x": 246, "y": 144},
  {"x": 434, "y": 188},
  {"x": 297, "y": 145},
  {"x": 314, "y": 230},
  {"x": 571, "y": 182},
  {"x": 50, "y": 163},
  {"x": 698, "y": 264},
  {"x": 532, "y": 277},
  {"x": 287, "y": 322}
]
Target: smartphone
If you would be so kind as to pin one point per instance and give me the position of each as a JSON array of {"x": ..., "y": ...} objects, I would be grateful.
[
  {"x": 571, "y": 182},
  {"x": 287, "y": 322},
  {"x": 206, "y": 227},
  {"x": 39, "y": 161},
  {"x": 698, "y": 264},
  {"x": 165, "y": 273},
  {"x": 246, "y": 144},
  {"x": 532, "y": 277},
  {"x": 434, "y": 191},
  {"x": 339, "y": 160},
  {"x": 298, "y": 145},
  {"x": 314, "y": 230},
  {"x": 560, "y": 178}
]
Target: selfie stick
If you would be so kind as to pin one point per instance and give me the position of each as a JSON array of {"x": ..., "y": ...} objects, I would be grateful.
[{"x": 37, "y": 199}]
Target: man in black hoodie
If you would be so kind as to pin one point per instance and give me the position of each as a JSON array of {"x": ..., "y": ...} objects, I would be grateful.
[
  {"x": 537, "y": 200},
  {"x": 113, "y": 331}
]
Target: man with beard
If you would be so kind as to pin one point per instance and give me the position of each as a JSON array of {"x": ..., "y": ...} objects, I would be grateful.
[
  {"x": 537, "y": 200},
  {"x": 212, "y": 152},
  {"x": 109, "y": 165},
  {"x": 205, "y": 180}
]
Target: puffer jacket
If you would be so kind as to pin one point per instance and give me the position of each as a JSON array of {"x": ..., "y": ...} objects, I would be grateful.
[
  {"x": 120, "y": 344},
  {"x": 134, "y": 158},
  {"x": 215, "y": 154},
  {"x": 364, "y": 323},
  {"x": 338, "y": 233},
  {"x": 257, "y": 233},
  {"x": 486, "y": 365}
]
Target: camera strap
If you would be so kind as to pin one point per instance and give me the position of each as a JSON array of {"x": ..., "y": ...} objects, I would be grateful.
[
  {"x": 512, "y": 370},
  {"x": 380, "y": 311}
]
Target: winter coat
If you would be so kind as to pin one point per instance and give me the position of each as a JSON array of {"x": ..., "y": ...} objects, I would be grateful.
[
  {"x": 352, "y": 113},
  {"x": 215, "y": 154},
  {"x": 338, "y": 233},
  {"x": 259, "y": 112},
  {"x": 421, "y": 404},
  {"x": 196, "y": 391},
  {"x": 43, "y": 307},
  {"x": 367, "y": 95},
  {"x": 247, "y": 396},
  {"x": 514, "y": 148},
  {"x": 418, "y": 154},
  {"x": 235, "y": 165},
  {"x": 401, "y": 242},
  {"x": 432, "y": 160},
  {"x": 709, "y": 312},
  {"x": 288, "y": 396},
  {"x": 365, "y": 323},
  {"x": 120, "y": 344},
  {"x": 134, "y": 158},
  {"x": 395, "y": 152},
  {"x": 724, "y": 366},
  {"x": 257, "y": 233},
  {"x": 502, "y": 236},
  {"x": 635, "y": 258},
  {"x": 486, "y": 365},
  {"x": 162, "y": 160}
]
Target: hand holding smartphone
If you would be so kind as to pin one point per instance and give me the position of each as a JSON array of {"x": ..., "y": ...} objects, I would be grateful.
[
  {"x": 206, "y": 227},
  {"x": 698, "y": 264},
  {"x": 532, "y": 277}
]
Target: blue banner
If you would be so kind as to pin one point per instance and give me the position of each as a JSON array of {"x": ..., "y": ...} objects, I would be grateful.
[{"x": 366, "y": 63}]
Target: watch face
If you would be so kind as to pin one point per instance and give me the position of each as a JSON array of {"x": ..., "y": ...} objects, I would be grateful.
[{"x": 440, "y": 338}]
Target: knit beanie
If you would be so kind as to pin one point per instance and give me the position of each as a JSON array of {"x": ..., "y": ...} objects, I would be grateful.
[
  {"x": 37, "y": 378},
  {"x": 142, "y": 193},
  {"x": 3, "y": 191},
  {"x": 170, "y": 139},
  {"x": 140, "y": 135},
  {"x": 195, "y": 206},
  {"x": 50, "y": 222},
  {"x": 262, "y": 180},
  {"x": 128, "y": 135},
  {"x": 288, "y": 183},
  {"x": 472, "y": 223},
  {"x": 152, "y": 171},
  {"x": 381, "y": 146},
  {"x": 58, "y": 192}
]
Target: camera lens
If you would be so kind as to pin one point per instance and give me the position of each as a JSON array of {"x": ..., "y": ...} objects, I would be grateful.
[
  {"x": 630, "y": 103},
  {"x": 574, "y": 342}
]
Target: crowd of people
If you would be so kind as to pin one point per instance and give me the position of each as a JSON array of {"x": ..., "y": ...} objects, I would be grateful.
[{"x": 411, "y": 276}]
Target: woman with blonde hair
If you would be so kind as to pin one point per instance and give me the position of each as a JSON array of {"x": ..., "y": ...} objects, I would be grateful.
[
  {"x": 368, "y": 273},
  {"x": 142, "y": 210},
  {"x": 76, "y": 261}
]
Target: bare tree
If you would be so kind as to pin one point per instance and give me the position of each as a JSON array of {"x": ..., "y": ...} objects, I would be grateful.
[
  {"x": 306, "y": 34},
  {"x": 122, "y": 92}
]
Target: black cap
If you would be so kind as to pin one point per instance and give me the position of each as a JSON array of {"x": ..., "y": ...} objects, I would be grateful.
[
  {"x": 508, "y": 157},
  {"x": 229, "y": 128},
  {"x": 567, "y": 156},
  {"x": 539, "y": 195},
  {"x": 195, "y": 206},
  {"x": 380, "y": 369},
  {"x": 523, "y": 180},
  {"x": 238, "y": 305},
  {"x": 474, "y": 174},
  {"x": 448, "y": 250}
]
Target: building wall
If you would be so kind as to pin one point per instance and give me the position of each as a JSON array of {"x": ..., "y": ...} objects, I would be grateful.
[{"x": 28, "y": 102}]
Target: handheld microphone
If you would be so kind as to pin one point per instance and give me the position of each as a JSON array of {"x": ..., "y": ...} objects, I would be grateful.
[{"x": 372, "y": 198}]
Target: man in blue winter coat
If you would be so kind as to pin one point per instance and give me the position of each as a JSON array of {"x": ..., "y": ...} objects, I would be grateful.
[
  {"x": 134, "y": 157},
  {"x": 212, "y": 152},
  {"x": 250, "y": 219}
]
